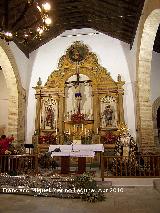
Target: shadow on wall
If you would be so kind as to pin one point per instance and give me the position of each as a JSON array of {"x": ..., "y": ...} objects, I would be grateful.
[{"x": 130, "y": 85}]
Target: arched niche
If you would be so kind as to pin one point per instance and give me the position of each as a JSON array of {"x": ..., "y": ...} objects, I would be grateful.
[{"x": 85, "y": 88}]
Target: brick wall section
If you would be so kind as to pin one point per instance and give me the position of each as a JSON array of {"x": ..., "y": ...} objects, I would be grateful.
[{"x": 17, "y": 104}]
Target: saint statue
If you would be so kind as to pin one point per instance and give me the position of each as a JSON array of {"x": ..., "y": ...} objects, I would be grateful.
[
  {"x": 78, "y": 97},
  {"x": 125, "y": 141},
  {"x": 49, "y": 117},
  {"x": 108, "y": 115}
]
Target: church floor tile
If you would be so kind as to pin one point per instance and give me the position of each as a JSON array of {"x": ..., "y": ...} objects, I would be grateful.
[{"x": 131, "y": 200}]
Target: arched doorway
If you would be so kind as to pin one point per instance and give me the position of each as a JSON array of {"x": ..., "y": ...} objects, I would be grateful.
[
  {"x": 144, "y": 106},
  {"x": 16, "y": 93}
]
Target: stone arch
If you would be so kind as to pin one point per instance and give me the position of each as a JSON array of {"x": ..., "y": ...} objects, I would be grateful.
[
  {"x": 16, "y": 103},
  {"x": 144, "y": 106}
]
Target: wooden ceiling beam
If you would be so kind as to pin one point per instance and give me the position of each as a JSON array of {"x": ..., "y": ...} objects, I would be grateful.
[
  {"x": 125, "y": 26},
  {"x": 122, "y": 38},
  {"x": 59, "y": 2},
  {"x": 112, "y": 30},
  {"x": 120, "y": 5},
  {"x": 134, "y": 3},
  {"x": 137, "y": 18},
  {"x": 110, "y": 8},
  {"x": 112, "y": 17},
  {"x": 116, "y": 18}
]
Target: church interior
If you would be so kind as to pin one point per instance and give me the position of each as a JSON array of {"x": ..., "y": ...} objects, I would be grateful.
[{"x": 80, "y": 105}]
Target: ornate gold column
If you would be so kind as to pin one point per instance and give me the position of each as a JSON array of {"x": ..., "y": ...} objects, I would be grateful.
[
  {"x": 38, "y": 105},
  {"x": 38, "y": 110},
  {"x": 61, "y": 116},
  {"x": 121, "y": 111},
  {"x": 120, "y": 100},
  {"x": 96, "y": 112}
]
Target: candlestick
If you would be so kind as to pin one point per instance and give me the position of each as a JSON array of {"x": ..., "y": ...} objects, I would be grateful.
[{"x": 55, "y": 124}]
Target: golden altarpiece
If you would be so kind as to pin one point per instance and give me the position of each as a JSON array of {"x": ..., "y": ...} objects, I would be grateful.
[{"x": 80, "y": 101}]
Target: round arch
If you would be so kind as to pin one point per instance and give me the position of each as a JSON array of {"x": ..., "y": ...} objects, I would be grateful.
[
  {"x": 144, "y": 106},
  {"x": 16, "y": 101}
]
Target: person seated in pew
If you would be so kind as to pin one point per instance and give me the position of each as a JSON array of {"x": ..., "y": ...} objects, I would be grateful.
[{"x": 5, "y": 143}]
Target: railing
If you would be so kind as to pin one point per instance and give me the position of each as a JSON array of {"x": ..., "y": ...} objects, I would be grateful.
[
  {"x": 19, "y": 164},
  {"x": 141, "y": 166},
  {"x": 111, "y": 166}
]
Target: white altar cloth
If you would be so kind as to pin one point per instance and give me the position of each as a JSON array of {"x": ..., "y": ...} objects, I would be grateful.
[
  {"x": 78, "y": 147},
  {"x": 73, "y": 154}
]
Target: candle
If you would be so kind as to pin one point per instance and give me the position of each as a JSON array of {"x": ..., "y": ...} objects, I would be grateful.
[
  {"x": 82, "y": 127},
  {"x": 56, "y": 131},
  {"x": 55, "y": 124},
  {"x": 97, "y": 130},
  {"x": 85, "y": 131}
]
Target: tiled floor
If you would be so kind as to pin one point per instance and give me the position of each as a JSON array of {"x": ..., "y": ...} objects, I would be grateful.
[{"x": 132, "y": 200}]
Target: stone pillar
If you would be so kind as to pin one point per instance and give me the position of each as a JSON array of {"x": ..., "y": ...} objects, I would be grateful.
[
  {"x": 21, "y": 115},
  {"x": 13, "y": 116},
  {"x": 145, "y": 127},
  {"x": 144, "y": 107}
]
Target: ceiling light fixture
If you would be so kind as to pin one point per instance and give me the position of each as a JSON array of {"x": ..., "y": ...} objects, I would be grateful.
[{"x": 24, "y": 21}]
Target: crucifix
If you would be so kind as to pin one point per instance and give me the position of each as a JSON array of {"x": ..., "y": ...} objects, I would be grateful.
[{"x": 77, "y": 86}]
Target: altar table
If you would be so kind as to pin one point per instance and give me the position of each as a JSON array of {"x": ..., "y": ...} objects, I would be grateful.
[{"x": 80, "y": 151}]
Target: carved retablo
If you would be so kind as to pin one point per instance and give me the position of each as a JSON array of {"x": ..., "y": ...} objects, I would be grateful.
[{"x": 80, "y": 101}]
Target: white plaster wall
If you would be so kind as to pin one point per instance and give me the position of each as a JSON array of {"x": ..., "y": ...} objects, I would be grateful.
[
  {"x": 155, "y": 76},
  {"x": 22, "y": 63},
  {"x": 112, "y": 54},
  {"x": 3, "y": 101}
]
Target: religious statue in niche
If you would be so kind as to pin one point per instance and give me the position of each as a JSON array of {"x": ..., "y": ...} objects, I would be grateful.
[
  {"x": 108, "y": 112},
  {"x": 108, "y": 115},
  {"x": 125, "y": 141},
  {"x": 49, "y": 113},
  {"x": 49, "y": 116},
  {"x": 78, "y": 98}
]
